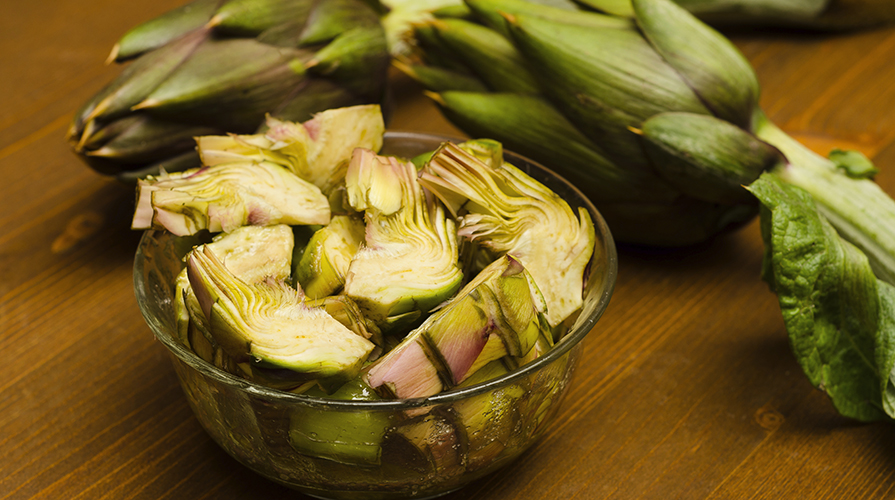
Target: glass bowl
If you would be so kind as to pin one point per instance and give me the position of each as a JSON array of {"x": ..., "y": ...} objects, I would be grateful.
[{"x": 459, "y": 435}]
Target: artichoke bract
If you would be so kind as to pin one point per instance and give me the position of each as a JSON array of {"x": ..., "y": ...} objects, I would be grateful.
[
  {"x": 655, "y": 117},
  {"x": 497, "y": 314},
  {"x": 507, "y": 211},
  {"x": 408, "y": 264},
  {"x": 269, "y": 324},
  {"x": 227, "y": 196},
  {"x": 213, "y": 67}
]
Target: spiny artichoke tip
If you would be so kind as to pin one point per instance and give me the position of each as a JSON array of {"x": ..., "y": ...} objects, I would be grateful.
[{"x": 218, "y": 66}]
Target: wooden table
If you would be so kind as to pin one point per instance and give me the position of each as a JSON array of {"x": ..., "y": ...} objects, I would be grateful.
[{"x": 687, "y": 388}]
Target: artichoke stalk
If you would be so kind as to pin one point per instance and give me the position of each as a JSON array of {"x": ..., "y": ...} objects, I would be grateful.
[
  {"x": 657, "y": 120},
  {"x": 218, "y": 66}
]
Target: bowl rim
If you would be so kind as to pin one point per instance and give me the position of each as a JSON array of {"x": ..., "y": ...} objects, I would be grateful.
[{"x": 604, "y": 243}]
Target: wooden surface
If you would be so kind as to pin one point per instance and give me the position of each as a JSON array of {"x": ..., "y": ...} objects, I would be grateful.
[{"x": 687, "y": 388}]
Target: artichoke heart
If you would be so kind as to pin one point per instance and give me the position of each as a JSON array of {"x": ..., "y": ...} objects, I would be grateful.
[
  {"x": 507, "y": 211},
  {"x": 269, "y": 324},
  {"x": 409, "y": 262},
  {"x": 498, "y": 313},
  {"x": 227, "y": 196}
]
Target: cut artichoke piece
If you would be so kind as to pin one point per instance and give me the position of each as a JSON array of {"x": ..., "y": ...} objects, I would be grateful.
[
  {"x": 317, "y": 150},
  {"x": 498, "y": 313},
  {"x": 252, "y": 253},
  {"x": 225, "y": 197},
  {"x": 345, "y": 436},
  {"x": 269, "y": 325},
  {"x": 409, "y": 262},
  {"x": 507, "y": 211},
  {"x": 323, "y": 265}
]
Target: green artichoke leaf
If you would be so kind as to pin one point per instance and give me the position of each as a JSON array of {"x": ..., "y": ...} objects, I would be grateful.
[
  {"x": 838, "y": 315},
  {"x": 163, "y": 29},
  {"x": 709, "y": 62},
  {"x": 440, "y": 79},
  {"x": 142, "y": 138},
  {"x": 487, "y": 53},
  {"x": 270, "y": 325},
  {"x": 511, "y": 213},
  {"x": 498, "y": 313},
  {"x": 227, "y": 196},
  {"x": 705, "y": 157},
  {"x": 853, "y": 163},
  {"x": 228, "y": 83},
  {"x": 322, "y": 268},
  {"x": 495, "y": 13},
  {"x": 252, "y": 17},
  {"x": 409, "y": 262}
]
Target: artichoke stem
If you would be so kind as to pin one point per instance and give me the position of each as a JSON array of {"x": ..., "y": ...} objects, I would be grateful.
[{"x": 859, "y": 209}]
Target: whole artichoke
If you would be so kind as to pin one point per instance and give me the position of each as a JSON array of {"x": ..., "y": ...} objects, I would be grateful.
[
  {"x": 656, "y": 118},
  {"x": 219, "y": 66}
]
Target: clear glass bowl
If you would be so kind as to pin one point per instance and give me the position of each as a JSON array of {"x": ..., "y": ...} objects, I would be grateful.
[{"x": 460, "y": 435}]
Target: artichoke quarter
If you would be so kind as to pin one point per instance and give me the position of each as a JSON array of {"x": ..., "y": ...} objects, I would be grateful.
[
  {"x": 498, "y": 314},
  {"x": 227, "y": 196},
  {"x": 216, "y": 66},
  {"x": 408, "y": 263},
  {"x": 507, "y": 211},
  {"x": 270, "y": 325},
  {"x": 654, "y": 117}
]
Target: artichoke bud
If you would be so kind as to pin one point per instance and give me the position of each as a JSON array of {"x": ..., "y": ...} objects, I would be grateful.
[
  {"x": 227, "y": 196},
  {"x": 332, "y": 17},
  {"x": 511, "y": 213},
  {"x": 439, "y": 440},
  {"x": 252, "y": 17},
  {"x": 269, "y": 324},
  {"x": 531, "y": 126},
  {"x": 140, "y": 78},
  {"x": 706, "y": 157},
  {"x": 705, "y": 59},
  {"x": 604, "y": 81},
  {"x": 143, "y": 138},
  {"x": 494, "y": 315},
  {"x": 163, "y": 29},
  {"x": 229, "y": 83},
  {"x": 322, "y": 268},
  {"x": 351, "y": 56},
  {"x": 409, "y": 261},
  {"x": 487, "y": 53},
  {"x": 495, "y": 14},
  {"x": 440, "y": 79}
]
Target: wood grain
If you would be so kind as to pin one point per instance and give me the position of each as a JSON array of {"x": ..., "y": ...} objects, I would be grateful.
[{"x": 686, "y": 389}]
